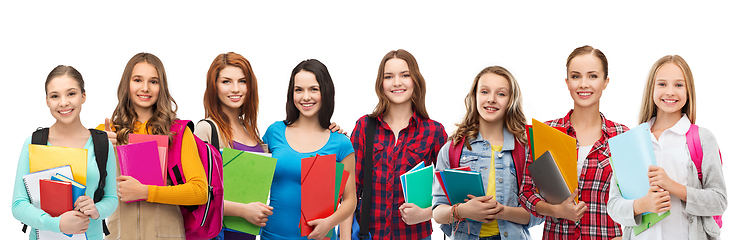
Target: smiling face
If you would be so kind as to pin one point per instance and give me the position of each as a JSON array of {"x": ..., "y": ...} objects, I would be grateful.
[
  {"x": 144, "y": 86},
  {"x": 585, "y": 80},
  {"x": 670, "y": 90},
  {"x": 232, "y": 87},
  {"x": 398, "y": 84},
  {"x": 64, "y": 99},
  {"x": 307, "y": 94},
  {"x": 492, "y": 97}
]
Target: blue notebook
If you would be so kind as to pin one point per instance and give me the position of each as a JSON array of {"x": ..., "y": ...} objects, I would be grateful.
[
  {"x": 460, "y": 183},
  {"x": 632, "y": 153},
  {"x": 77, "y": 189}
]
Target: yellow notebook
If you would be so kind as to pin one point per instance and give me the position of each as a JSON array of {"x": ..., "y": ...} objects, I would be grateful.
[
  {"x": 562, "y": 147},
  {"x": 42, "y": 157}
]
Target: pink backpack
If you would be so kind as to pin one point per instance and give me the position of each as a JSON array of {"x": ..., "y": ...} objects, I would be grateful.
[
  {"x": 695, "y": 147},
  {"x": 202, "y": 221}
]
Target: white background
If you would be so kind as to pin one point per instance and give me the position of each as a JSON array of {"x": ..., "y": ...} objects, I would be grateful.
[{"x": 451, "y": 41}]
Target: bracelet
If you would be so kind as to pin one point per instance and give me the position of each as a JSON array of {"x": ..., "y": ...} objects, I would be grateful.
[{"x": 456, "y": 217}]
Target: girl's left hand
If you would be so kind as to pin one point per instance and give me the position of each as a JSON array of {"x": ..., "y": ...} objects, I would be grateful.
[
  {"x": 85, "y": 204},
  {"x": 321, "y": 228},
  {"x": 658, "y": 177},
  {"x": 412, "y": 214},
  {"x": 130, "y": 189},
  {"x": 336, "y": 128}
]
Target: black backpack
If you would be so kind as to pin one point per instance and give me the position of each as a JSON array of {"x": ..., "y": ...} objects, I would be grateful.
[{"x": 101, "y": 150}]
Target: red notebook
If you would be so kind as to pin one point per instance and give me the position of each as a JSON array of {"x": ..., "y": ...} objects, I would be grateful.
[
  {"x": 55, "y": 197},
  {"x": 318, "y": 180},
  {"x": 142, "y": 162}
]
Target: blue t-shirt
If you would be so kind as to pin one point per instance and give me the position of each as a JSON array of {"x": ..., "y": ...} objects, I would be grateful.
[{"x": 285, "y": 190}]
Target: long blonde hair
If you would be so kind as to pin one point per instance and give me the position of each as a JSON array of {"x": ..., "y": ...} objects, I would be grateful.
[
  {"x": 514, "y": 120},
  {"x": 648, "y": 108},
  {"x": 164, "y": 111}
]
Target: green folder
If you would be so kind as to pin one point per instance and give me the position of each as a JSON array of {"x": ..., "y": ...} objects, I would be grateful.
[
  {"x": 339, "y": 175},
  {"x": 247, "y": 178},
  {"x": 648, "y": 220},
  {"x": 419, "y": 187}
]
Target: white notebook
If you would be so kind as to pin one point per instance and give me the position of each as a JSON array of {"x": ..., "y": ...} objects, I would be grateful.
[
  {"x": 46, "y": 235},
  {"x": 33, "y": 187}
]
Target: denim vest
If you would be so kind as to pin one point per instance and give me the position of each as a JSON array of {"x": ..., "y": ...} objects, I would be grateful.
[{"x": 479, "y": 159}]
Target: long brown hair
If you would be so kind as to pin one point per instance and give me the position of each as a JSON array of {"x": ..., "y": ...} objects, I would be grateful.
[
  {"x": 418, "y": 94},
  {"x": 164, "y": 110},
  {"x": 247, "y": 112},
  {"x": 648, "y": 108},
  {"x": 514, "y": 120}
]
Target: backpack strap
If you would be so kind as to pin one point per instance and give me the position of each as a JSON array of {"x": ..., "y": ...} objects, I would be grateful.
[
  {"x": 179, "y": 127},
  {"x": 454, "y": 152},
  {"x": 101, "y": 151},
  {"x": 695, "y": 148},
  {"x": 214, "y": 134},
  {"x": 518, "y": 155},
  {"x": 366, "y": 168},
  {"x": 40, "y": 136}
]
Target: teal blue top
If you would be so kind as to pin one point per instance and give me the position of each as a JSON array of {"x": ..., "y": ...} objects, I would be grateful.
[
  {"x": 36, "y": 218},
  {"x": 285, "y": 189}
]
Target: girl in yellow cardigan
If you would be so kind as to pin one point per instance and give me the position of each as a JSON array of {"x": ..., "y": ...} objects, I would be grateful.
[{"x": 146, "y": 107}]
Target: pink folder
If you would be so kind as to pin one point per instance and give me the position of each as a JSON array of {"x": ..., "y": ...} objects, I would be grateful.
[
  {"x": 141, "y": 161},
  {"x": 161, "y": 141}
]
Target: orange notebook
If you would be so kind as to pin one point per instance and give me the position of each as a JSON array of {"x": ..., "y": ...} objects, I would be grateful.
[
  {"x": 42, "y": 157},
  {"x": 55, "y": 197},
  {"x": 563, "y": 149}
]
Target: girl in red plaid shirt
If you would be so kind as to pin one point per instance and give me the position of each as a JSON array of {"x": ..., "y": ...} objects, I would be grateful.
[
  {"x": 404, "y": 137},
  {"x": 587, "y": 77}
]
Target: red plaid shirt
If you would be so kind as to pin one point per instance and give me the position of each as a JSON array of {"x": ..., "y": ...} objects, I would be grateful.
[
  {"x": 593, "y": 185},
  {"x": 419, "y": 141}
]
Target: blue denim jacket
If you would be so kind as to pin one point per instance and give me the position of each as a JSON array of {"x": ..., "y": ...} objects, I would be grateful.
[{"x": 506, "y": 187}]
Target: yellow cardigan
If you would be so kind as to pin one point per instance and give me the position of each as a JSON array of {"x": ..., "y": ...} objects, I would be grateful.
[{"x": 193, "y": 192}]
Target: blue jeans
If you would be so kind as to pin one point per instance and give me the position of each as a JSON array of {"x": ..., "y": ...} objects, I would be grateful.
[{"x": 495, "y": 237}]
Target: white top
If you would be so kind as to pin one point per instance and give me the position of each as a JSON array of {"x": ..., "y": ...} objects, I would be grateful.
[
  {"x": 671, "y": 154},
  {"x": 583, "y": 152}
]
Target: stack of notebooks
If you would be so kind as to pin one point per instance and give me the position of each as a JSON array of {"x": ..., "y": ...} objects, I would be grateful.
[
  {"x": 322, "y": 184},
  {"x": 145, "y": 159},
  {"x": 459, "y": 182},
  {"x": 57, "y": 178},
  {"x": 247, "y": 178},
  {"x": 417, "y": 185},
  {"x": 554, "y": 166},
  {"x": 632, "y": 154}
]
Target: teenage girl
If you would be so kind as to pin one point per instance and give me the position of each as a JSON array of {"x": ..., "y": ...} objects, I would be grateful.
[
  {"x": 587, "y": 77},
  {"x": 404, "y": 136},
  {"x": 146, "y": 107},
  {"x": 65, "y": 95},
  {"x": 668, "y": 106},
  {"x": 493, "y": 125},
  {"x": 304, "y": 133}
]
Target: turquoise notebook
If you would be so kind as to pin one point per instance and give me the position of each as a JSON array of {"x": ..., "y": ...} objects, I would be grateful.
[
  {"x": 461, "y": 183},
  {"x": 418, "y": 186}
]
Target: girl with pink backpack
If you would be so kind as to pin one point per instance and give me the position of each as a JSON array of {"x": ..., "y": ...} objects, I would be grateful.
[
  {"x": 688, "y": 179},
  {"x": 147, "y": 107}
]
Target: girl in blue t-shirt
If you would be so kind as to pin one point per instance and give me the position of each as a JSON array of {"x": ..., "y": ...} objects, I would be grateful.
[{"x": 304, "y": 133}]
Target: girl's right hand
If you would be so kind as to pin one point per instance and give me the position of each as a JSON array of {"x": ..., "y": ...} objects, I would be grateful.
[
  {"x": 569, "y": 210},
  {"x": 484, "y": 208},
  {"x": 656, "y": 200},
  {"x": 111, "y": 135},
  {"x": 73, "y": 222},
  {"x": 256, "y": 213}
]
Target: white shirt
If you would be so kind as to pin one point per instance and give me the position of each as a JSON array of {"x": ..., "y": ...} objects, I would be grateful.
[
  {"x": 583, "y": 152},
  {"x": 671, "y": 154}
]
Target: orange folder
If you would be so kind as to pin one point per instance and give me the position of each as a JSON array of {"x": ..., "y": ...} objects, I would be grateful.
[
  {"x": 562, "y": 147},
  {"x": 42, "y": 157},
  {"x": 161, "y": 141},
  {"x": 317, "y": 189}
]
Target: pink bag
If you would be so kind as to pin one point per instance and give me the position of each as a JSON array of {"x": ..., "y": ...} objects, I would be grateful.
[
  {"x": 202, "y": 221},
  {"x": 695, "y": 147}
]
